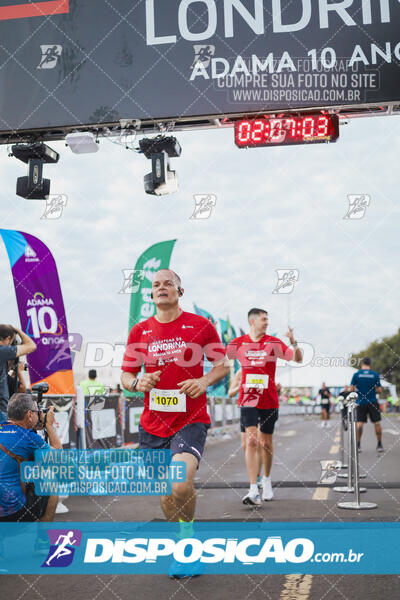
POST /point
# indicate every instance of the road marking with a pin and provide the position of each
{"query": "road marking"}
(334, 449)
(321, 493)
(337, 439)
(391, 431)
(289, 433)
(296, 586)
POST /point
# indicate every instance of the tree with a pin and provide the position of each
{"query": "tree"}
(385, 358)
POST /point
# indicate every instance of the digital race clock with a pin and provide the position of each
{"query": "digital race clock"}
(285, 131)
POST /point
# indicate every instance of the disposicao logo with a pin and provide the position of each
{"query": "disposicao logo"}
(62, 547)
(189, 550)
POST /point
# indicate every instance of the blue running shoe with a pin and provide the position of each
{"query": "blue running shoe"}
(183, 570)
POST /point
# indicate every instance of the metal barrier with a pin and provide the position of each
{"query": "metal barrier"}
(353, 474)
(223, 411)
(342, 430)
(303, 409)
(64, 407)
(343, 427)
(102, 426)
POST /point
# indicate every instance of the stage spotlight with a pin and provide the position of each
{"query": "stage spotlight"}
(161, 180)
(160, 143)
(34, 187)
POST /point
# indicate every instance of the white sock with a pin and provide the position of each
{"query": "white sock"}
(266, 479)
(253, 489)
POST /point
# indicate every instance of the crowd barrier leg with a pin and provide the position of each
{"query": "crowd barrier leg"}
(342, 436)
(80, 417)
(349, 488)
(122, 410)
(212, 411)
(223, 412)
(343, 465)
(354, 462)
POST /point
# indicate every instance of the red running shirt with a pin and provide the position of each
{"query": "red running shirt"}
(258, 362)
(177, 349)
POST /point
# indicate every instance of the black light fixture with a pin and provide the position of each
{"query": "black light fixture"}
(33, 186)
(161, 180)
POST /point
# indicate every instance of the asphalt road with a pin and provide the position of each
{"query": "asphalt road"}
(300, 443)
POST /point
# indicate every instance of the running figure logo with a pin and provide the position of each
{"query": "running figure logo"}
(62, 547)
(132, 281)
(50, 55)
(204, 203)
(202, 54)
(68, 349)
(130, 123)
(286, 280)
(55, 203)
(357, 206)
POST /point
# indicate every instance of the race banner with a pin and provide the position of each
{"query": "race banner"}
(138, 283)
(228, 332)
(217, 388)
(154, 258)
(203, 313)
(41, 310)
(221, 388)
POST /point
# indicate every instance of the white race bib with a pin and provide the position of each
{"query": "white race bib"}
(167, 400)
(256, 380)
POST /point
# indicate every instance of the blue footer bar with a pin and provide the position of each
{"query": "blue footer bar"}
(214, 548)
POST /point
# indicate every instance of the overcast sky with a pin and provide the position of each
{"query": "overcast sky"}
(278, 208)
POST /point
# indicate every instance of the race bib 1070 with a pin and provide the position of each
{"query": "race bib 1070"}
(167, 400)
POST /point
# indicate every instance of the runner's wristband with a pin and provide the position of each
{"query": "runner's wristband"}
(134, 384)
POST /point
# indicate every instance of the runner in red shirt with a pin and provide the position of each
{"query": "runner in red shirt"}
(257, 353)
(171, 346)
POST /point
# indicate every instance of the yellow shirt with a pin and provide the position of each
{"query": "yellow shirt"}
(92, 387)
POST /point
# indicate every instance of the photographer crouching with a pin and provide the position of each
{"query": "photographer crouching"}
(18, 442)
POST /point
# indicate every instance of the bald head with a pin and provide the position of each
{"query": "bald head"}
(166, 288)
(169, 273)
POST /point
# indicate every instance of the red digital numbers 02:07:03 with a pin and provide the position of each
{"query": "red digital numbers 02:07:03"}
(284, 131)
